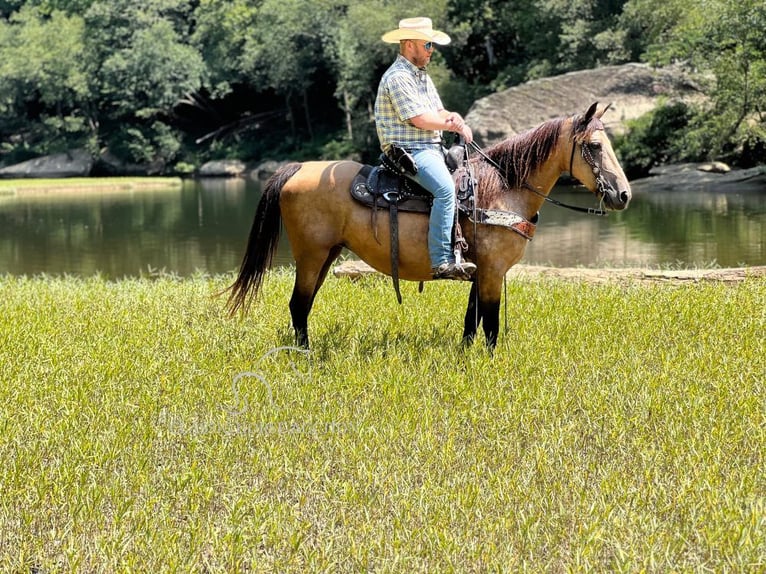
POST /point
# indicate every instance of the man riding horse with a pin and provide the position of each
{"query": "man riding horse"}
(410, 117)
(315, 201)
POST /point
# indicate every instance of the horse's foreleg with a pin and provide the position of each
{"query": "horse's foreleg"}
(309, 276)
(490, 313)
(484, 308)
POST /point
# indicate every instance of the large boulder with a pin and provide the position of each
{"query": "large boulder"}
(701, 177)
(632, 89)
(265, 169)
(74, 163)
(109, 165)
(223, 168)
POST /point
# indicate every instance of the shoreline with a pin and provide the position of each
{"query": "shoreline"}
(355, 269)
(18, 187)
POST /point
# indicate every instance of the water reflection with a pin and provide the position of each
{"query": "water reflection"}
(203, 226)
(200, 226)
(686, 228)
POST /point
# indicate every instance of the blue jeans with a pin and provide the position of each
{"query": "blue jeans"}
(434, 176)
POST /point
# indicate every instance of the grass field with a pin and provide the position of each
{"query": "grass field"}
(618, 427)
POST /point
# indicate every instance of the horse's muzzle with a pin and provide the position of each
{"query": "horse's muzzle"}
(614, 199)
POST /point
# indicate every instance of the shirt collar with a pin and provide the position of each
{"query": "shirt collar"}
(419, 73)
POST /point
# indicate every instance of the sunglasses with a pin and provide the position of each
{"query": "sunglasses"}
(428, 46)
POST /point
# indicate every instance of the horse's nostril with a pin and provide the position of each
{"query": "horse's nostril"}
(624, 197)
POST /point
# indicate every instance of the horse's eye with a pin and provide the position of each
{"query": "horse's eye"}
(594, 145)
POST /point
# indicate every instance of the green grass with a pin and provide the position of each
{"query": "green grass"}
(14, 186)
(618, 427)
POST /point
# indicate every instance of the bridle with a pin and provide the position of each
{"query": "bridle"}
(586, 151)
(587, 148)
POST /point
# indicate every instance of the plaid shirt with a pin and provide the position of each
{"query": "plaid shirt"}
(405, 91)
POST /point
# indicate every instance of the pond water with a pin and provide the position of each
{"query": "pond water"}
(203, 227)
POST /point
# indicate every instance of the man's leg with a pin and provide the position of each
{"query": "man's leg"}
(435, 177)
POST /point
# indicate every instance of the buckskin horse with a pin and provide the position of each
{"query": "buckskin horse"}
(512, 180)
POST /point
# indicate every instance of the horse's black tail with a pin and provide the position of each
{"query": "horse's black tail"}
(263, 241)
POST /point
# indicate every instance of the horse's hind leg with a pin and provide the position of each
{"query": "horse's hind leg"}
(311, 271)
(472, 317)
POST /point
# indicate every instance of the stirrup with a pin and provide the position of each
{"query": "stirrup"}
(458, 271)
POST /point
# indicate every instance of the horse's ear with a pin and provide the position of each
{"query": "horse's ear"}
(581, 122)
(590, 113)
(600, 113)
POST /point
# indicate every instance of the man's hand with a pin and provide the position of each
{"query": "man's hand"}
(457, 124)
(438, 120)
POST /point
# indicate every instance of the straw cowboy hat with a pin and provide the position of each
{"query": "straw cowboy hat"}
(416, 29)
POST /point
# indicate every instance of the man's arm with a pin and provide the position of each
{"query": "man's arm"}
(443, 120)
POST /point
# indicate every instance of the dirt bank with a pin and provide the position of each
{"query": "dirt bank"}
(356, 269)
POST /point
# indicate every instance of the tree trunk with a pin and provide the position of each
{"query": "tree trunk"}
(490, 49)
(291, 117)
(347, 109)
(308, 115)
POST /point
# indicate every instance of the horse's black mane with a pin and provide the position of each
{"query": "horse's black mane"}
(522, 154)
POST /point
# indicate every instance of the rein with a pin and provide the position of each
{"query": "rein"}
(587, 210)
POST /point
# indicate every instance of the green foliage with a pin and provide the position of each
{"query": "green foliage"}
(256, 77)
(44, 86)
(724, 45)
(42, 58)
(184, 168)
(654, 139)
(586, 38)
(142, 66)
(505, 43)
(340, 148)
(222, 30)
(496, 41)
(50, 6)
(155, 142)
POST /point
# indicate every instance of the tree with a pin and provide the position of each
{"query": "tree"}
(505, 43)
(587, 37)
(44, 93)
(498, 42)
(141, 66)
(223, 27)
(723, 43)
(143, 78)
(737, 115)
(292, 62)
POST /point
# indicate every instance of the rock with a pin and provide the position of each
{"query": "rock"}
(714, 167)
(109, 165)
(632, 89)
(266, 169)
(223, 168)
(686, 176)
(74, 163)
(353, 269)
